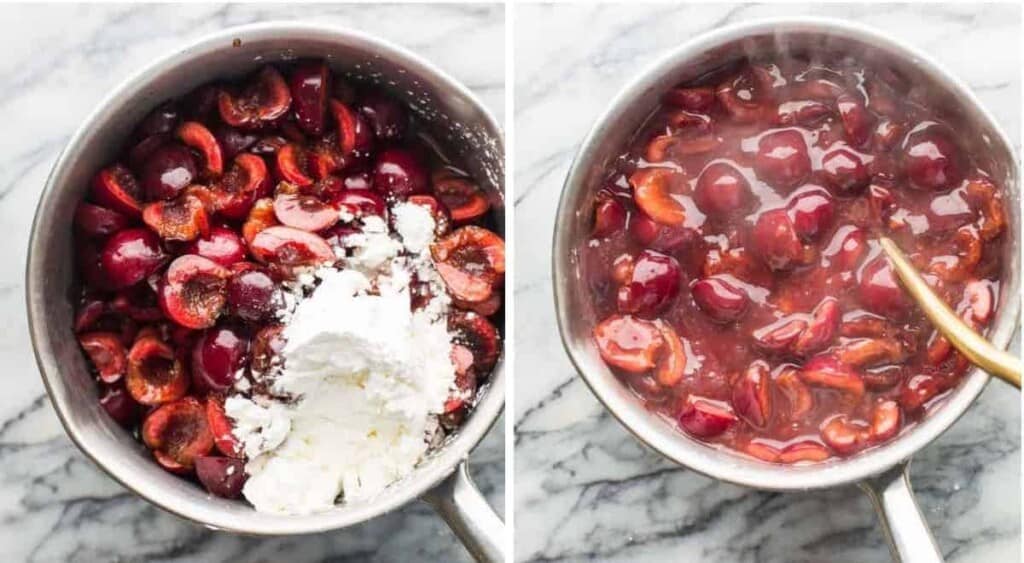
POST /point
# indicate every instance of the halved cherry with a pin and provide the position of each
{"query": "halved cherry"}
(844, 436)
(653, 283)
(652, 192)
(400, 172)
(806, 450)
(222, 476)
(193, 291)
(471, 261)
(722, 190)
(720, 298)
(348, 124)
(293, 164)
(801, 112)
(304, 212)
(261, 217)
(266, 347)
(988, 200)
(609, 218)
(705, 418)
(156, 375)
(846, 248)
(465, 379)
(479, 336)
(222, 428)
(131, 256)
(827, 371)
(243, 183)
(628, 343)
(811, 210)
(780, 335)
(442, 220)
(222, 245)
(197, 136)
(858, 122)
(88, 313)
(978, 301)
(821, 330)
(782, 159)
(116, 188)
(917, 391)
(233, 141)
(463, 198)
(752, 395)
(880, 291)
(775, 239)
(867, 352)
(932, 159)
(183, 219)
(672, 364)
(663, 147)
(692, 99)
(120, 405)
(178, 433)
(265, 99)
(746, 95)
(287, 246)
(356, 204)
(310, 84)
(487, 307)
(138, 303)
(886, 419)
(657, 236)
(217, 357)
(845, 171)
(799, 396)
(106, 353)
(96, 221)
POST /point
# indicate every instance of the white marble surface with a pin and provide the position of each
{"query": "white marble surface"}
(58, 62)
(585, 489)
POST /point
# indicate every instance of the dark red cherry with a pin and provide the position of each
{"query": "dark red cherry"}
(721, 190)
(721, 298)
(844, 171)
(386, 117)
(775, 239)
(168, 170)
(252, 295)
(782, 159)
(130, 256)
(216, 358)
(811, 212)
(880, 291)
(654, 283)
(222, 245)
(401, 173)
(932, 160)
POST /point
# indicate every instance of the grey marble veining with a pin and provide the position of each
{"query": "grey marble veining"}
(585, 489)
(58, 62)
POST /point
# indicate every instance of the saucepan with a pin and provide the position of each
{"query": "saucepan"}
(454, 116)
(882, 472)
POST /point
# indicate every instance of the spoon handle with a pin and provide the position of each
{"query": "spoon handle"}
(971, 344)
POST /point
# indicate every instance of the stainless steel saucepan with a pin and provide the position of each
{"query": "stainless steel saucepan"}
(881, 472)
(455, 117)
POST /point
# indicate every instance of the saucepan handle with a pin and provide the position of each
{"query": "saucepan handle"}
(467, 513)
(910, 539)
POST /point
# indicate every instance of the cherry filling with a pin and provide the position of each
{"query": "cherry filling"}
(185, 241)
(734, 269)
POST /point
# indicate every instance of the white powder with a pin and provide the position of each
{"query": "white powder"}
(369, 377)
(415, 225)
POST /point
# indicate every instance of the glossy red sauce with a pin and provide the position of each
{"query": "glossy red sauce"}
(734, 268)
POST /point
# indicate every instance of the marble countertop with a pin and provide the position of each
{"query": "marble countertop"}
(585, 489)
(59, 61)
